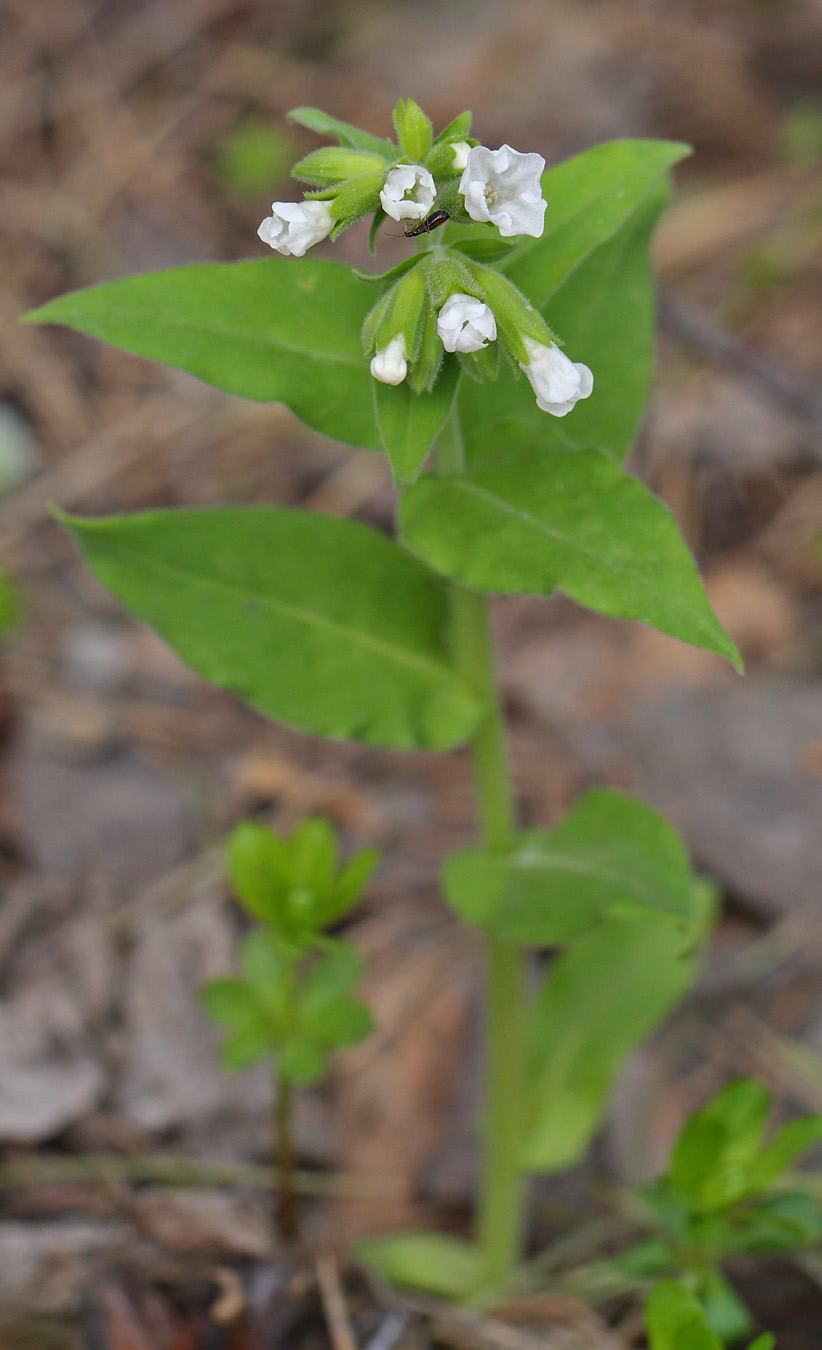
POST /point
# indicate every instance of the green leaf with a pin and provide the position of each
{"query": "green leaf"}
(725, 1312)
(245, 1048)
(778, 1223)
(301, 1062)
(321, 623)
(611, 857)
(230, 1003)
(414, 131)
(457, 129)
(259, 871)
(589, 198)
(787, 1145)
(569, 520)
(268, 973)
(716, 1148)
(279, 330)
(352, 881)
(317, 120)
(409, 423)
(600, 1000)
(675, 1321)
(433, 1262)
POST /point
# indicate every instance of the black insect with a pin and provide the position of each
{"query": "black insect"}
(430, 223)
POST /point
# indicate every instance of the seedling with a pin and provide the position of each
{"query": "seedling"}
(676, 1321)
(505, 485)
(292, 1000)
(724, 1193)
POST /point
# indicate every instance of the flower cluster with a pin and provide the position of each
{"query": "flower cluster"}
(446, 301)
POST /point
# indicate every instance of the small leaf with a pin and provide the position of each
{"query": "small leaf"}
(268, 973)
(279, 330)
(716, 1149)
(414, 131)
(569, 520)
(317, 120)
(352, 881)
(432, 1262)
(612, 856)
(231, 1004)
(787, 1145)
(601, 998)
(322, 623)
(302, 1062)
(675, 1320)
(409, 423)
(456, 130)
(259, 871)
(245, 1048)
(485, 249)
(725, 1312)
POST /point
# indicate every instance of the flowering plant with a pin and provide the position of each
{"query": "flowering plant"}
(334, 628)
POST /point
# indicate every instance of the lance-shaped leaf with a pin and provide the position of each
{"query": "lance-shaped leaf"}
(612, 856)
(279, 330)
(589, 198)
(321, 623)
(410, 423)
(602, 997)
(325, 125)
(605, 314)
(569, 520)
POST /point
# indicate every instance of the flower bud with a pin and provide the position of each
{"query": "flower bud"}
(295, 227)
(503, 187)
(460, 151)
(557, 381)
(466, 324)
(390, 366)
(408, 192)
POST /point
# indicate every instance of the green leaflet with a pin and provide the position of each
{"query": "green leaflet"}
(569, 520)
(611, 856)
(601, 999)
(279, 330)
(321, 623)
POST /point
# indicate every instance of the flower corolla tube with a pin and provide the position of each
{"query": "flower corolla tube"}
(557, 381)
(295, 227)
(390, 366)
(408, 192)
(465, 324)
(504, 187)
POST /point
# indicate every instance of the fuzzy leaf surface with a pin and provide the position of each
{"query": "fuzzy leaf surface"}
(278, 330)
(612, 856)
(569, 520)
(321, 623)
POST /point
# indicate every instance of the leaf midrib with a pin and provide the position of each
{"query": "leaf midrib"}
(400, 656)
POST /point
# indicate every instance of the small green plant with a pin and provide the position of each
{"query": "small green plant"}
(676, 1321)
(720, 1197)
(505, 485)
(293, 997)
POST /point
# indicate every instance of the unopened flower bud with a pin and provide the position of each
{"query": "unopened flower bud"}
(408, 192)
(503, 187)
(557, 381)
(460, 151)
(466, 324)
(295, 227)
(390, 366)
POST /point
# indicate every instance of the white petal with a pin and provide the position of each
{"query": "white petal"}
(390, 366)
(465, 324)
(408, 192)
(504, 187)
(295, 227)
(557, 382)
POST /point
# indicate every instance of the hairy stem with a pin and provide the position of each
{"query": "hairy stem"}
(502, 1196)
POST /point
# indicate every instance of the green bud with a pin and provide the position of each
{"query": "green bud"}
(445, 274)
(354, 198)
(516, 317)
(334, 164)
(406, 314)
(414, 131)
(423, 371)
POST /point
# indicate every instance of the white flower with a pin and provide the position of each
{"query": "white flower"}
(461, 151)
(390, 366)
(408, 193)
(296, 226)
(503, 187)
(466, 324)
(557, 382)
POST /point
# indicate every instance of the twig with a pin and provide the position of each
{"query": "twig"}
(333, 1300)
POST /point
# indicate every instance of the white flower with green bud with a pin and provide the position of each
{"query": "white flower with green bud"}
(295, 227)
(503, 187)
(558, 382)
(466, 324)
(408, 193)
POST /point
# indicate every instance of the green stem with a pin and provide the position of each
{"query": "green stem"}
(502, 1196)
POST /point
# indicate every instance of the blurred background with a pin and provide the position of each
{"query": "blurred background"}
(139, 134)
